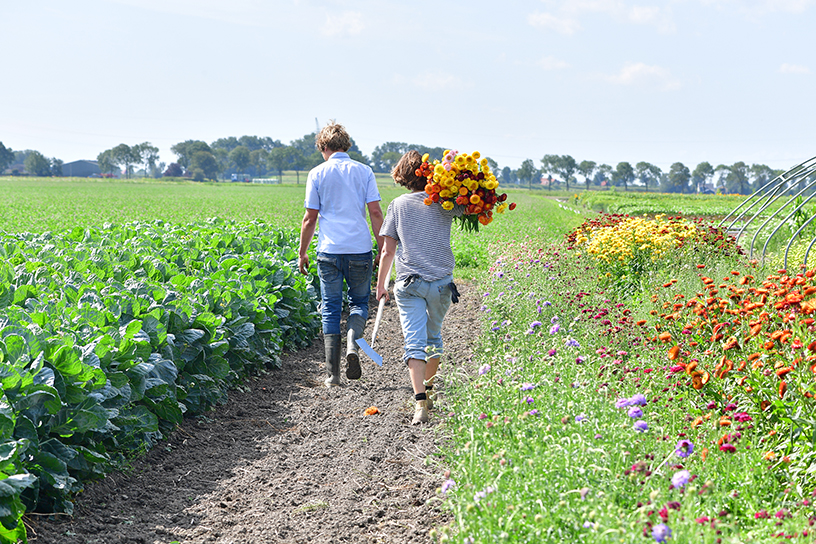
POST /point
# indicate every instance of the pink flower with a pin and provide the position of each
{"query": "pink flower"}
(728, 448)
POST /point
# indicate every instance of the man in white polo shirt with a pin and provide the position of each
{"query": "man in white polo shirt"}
(337, 195)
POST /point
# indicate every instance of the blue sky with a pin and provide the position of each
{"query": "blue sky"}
(604, 80)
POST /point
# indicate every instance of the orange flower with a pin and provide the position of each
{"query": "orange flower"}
(769, 455)
(674, 352)
(371, 410)
(664, 337)
(783, 386)
(704, 453)
(783, 371)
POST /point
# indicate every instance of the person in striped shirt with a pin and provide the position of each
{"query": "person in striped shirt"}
(417, 237)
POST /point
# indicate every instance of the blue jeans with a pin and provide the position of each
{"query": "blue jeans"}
(332, 270)
(422, 307)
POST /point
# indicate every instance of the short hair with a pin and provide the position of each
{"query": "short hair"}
(333, 137)
(404, 172)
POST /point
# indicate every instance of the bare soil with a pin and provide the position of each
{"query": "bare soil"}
(287, 460)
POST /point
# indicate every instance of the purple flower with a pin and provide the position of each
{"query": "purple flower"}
(641, 426)
(579, 418)
(447, 485)
(527, 386)
(554, 319)
(535, 324)
(635, 412)
(680, 478)
(622, 403)
(551, 352)
(638, 400)
(573, 343)
(529, 400)
(555, 328)
(533, 412)
(580, 359)
(484, 369)
(684, 448)
(661, 532)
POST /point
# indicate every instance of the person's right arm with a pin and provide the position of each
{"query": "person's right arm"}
(307, 230)
(389, 250)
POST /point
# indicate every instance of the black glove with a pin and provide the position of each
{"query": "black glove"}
(454, 292)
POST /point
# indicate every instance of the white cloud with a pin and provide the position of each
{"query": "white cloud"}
(567, 21)
(644, 75)
(346, 24)
(754, 8)
(438, 81)
(551, 63)
(559, 24)
(793, 69)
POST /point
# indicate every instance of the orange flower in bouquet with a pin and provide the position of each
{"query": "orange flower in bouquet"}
(464, 180)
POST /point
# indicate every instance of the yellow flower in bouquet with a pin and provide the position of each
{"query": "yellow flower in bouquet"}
(463, 179)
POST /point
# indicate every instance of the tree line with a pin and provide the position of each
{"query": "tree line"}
(257, 156)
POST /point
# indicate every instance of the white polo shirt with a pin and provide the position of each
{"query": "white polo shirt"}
(339, 189)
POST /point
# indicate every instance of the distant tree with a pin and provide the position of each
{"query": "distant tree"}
(203, 166)
(762, 174)
(277, 160)
(677, 180)
(240, 157)
(106, 163)
(701, 175)
(623, 174)
(286, 158)
(257, 159)
(508, 176)
(389, 159)
(563, 165)
(126, 156)
(587, 169)
(56, 167)
(6, 157)
(647, 173)
(36, 164)
(603, 174)
(387, 148)
(305, 144)
(148, 155)
(527, 172)
(174, 170)
(186, 149)
(736, 178)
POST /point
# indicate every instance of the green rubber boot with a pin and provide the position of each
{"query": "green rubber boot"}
(332, 343)
(356, 324)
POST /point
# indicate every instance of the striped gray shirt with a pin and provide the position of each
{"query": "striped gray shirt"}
(422, 233)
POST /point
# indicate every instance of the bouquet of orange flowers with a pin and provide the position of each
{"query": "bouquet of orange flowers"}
(465, 180)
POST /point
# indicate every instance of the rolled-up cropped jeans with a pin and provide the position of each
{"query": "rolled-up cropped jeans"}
(422, 308)
(333, 269)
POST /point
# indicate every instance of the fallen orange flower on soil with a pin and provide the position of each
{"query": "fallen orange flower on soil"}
(371, 410)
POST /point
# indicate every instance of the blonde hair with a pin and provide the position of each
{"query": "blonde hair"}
(333, 137)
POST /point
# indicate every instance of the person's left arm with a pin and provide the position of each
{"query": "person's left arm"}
(376, 216)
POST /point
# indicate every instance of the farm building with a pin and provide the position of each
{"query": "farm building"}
(81, 169)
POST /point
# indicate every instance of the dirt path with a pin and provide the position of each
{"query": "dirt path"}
(286, 460)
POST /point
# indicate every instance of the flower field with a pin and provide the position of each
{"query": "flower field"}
(636, 378)
(640, 380)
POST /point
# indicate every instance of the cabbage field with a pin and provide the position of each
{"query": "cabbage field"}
(110, 334)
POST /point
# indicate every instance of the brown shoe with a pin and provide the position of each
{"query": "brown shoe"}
(421, 413)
